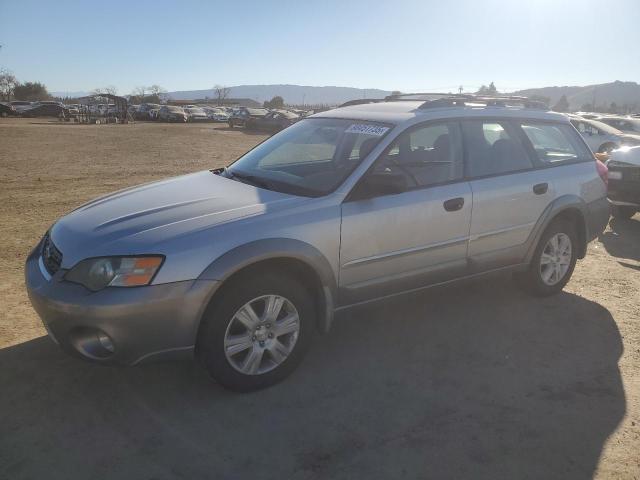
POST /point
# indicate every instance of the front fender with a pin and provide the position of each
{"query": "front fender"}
(279, 248)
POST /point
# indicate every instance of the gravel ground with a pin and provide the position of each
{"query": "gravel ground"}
(472, 381)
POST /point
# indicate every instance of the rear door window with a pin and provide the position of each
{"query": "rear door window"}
(493, 148)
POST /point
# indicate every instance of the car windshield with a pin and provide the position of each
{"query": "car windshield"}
(310, 158)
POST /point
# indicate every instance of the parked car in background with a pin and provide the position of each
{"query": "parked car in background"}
(602, 137)
(153, 113)
(46, 110)
(272, 122)
(196, 114)
(73, 109)
(624, 124)
(7, 110)
(21, 105)
(624, 182)
(143, 111)
(216, 114)
(170, 113)
(242, 266)
(240, 116)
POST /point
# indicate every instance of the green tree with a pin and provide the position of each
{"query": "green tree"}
(491, 90)
(31, 91)
(562, 105)
(613, 108)
(276, 102)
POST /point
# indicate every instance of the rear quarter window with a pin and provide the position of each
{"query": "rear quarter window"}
(555, 144)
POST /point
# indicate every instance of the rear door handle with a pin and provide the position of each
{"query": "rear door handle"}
(540, 188)
(454, 204)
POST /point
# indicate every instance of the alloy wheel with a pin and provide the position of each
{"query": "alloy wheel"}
(261, 335)
(555, 259)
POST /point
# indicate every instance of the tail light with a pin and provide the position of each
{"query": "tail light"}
(602, 171)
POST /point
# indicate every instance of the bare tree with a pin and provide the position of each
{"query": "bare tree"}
(8, 84)
(156, 90)
(140, 92)
(222, 93)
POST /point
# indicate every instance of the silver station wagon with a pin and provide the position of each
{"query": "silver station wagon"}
(242, 266)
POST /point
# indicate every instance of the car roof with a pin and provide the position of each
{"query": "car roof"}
(399, 112)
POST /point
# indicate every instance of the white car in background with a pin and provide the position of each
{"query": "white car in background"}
(624, 124)
(196, 114)
(601, 137)
(216, 114)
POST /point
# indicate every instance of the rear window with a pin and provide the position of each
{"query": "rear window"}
(554, 144)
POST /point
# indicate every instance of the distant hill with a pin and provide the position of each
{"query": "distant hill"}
(623, 94)
(292, 94)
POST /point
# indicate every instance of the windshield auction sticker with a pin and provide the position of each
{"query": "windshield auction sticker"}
(365, 129)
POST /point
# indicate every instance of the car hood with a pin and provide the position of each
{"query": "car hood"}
(628, 155)
(635, 139)
(138, 220)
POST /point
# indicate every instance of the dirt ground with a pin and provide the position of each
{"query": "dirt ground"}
(472, 381)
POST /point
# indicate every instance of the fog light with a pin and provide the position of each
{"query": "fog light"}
(106, 342)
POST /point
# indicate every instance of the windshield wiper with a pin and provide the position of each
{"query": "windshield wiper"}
(251, 179)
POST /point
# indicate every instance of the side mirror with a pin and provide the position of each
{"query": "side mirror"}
(379, 184)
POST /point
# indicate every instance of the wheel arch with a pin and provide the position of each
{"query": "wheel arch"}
(294, 257)
(570, 208)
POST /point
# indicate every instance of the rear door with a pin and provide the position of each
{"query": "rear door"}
(396, 242)
(509, 193)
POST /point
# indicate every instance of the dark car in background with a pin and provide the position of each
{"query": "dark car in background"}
(7, 110)
(170, 113)
(624, 182)
(143, 111)
(46, 110)
(240, 116)
(272, 122)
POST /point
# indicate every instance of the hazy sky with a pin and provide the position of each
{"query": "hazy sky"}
(403, 45)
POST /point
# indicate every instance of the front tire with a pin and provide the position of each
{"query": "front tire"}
(553, 261)
(256, 331)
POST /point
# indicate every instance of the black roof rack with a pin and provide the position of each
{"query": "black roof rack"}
(438, 100)
(361, 101)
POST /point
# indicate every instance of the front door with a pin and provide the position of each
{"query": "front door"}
(397, 242)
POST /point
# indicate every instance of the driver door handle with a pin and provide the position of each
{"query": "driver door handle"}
(453, 204)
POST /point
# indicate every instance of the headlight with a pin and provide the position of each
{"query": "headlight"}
(98, 273)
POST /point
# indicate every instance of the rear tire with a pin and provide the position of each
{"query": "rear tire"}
(622, 212)
(553, 260)
(233, 335)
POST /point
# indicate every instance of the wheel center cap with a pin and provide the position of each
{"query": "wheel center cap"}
(261, 334)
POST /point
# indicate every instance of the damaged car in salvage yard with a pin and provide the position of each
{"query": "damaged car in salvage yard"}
(624, 182)
(242, 266)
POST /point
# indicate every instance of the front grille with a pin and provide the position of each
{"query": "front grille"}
(51, 256)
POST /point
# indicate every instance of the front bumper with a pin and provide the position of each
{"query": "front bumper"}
(625, 190)
(143, 323)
